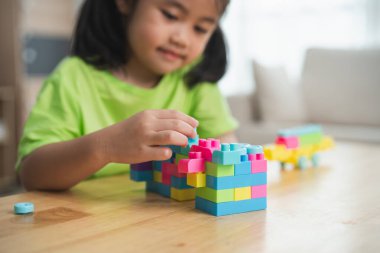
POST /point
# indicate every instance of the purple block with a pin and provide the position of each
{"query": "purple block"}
(142, 166)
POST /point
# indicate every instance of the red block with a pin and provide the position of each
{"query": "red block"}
(290, 142)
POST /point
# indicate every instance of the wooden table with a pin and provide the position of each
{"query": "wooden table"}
(335, 208)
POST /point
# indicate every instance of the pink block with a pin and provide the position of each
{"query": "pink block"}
(258, 166)
(289, 142)
(206, 152)
(191, 165)
(173, 169)
(252, 157)
(259, 191)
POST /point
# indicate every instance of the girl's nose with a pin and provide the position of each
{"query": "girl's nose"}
(180, 38)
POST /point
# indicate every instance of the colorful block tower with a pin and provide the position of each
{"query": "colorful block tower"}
(222, 178)
(296, 146)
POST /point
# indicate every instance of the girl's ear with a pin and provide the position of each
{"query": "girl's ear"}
(123, 6)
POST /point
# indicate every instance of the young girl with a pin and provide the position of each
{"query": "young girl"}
(138, 69)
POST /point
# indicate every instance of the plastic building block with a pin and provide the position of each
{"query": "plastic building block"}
(163, 189)
(290, 141)
(180, 182)
(142, 166)
(23, 208)
(220, 177)
(242, 168)
(301, 130)
(242, 193)
(141, 175)
(194, 164)
(229, 154)
(157, 165)
(254, 149)
(258, 166)
(219, 170)
(232, 207)
(310, 141)
(259, 191)
(182, 194)
(173, 169)
(216, 196)
(166, 175)
(157, 176)
(179, 157)
(196, 179)
(221, 183)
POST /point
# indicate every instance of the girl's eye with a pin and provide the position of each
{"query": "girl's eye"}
(200, 29)
(168, 15)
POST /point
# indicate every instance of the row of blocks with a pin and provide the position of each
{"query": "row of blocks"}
(298, 145)
(222, 178)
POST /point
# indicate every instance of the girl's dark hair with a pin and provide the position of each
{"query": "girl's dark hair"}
(100, 40)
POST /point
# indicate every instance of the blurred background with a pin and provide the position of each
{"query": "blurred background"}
(290, 63)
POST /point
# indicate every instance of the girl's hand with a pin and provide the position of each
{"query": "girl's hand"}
(141, 138)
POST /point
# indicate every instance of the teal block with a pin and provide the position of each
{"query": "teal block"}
(179, 182)
(226, 157)
(164, 190)
(297, 131)
(221, 183)
(157, 165)
(255, 149)
(141, 175)
(151, 186)
(175, 149)
(233, 207)
(23, 208)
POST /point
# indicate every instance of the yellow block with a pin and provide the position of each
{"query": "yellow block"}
(157, 176)
(196, 179)
(182, 194)
(242, 193)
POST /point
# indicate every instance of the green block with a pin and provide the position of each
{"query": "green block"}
(310, 139)
(179, 157)
(219, 170)
(216, 196)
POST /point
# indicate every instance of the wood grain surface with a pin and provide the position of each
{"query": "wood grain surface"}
(334, 208)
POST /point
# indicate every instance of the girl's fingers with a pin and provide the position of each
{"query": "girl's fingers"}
(175, 125)
(173, 114)
(168, 137)
(159, 153)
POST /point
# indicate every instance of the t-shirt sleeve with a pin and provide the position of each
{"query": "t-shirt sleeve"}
(54, 117)
(211, 110)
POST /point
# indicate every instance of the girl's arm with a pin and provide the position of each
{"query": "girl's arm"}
(59, 166)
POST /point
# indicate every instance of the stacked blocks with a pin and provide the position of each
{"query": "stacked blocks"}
(296, 146)
(222, 178)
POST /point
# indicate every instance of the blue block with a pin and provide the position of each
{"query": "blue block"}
(175, 149)
(297, 131)
(226, 157)
(179, 183)
(23, 208)
(157, 165)
(164, 190)
(226, 208)
(141, 175)
(230, 182)
(242, 168)
(255, 149)
(151, 186)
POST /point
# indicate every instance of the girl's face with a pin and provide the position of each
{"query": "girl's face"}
(165, 35)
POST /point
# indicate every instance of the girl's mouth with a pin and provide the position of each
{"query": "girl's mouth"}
(169, 54)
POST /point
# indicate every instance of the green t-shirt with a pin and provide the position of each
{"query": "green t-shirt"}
(78, 99)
